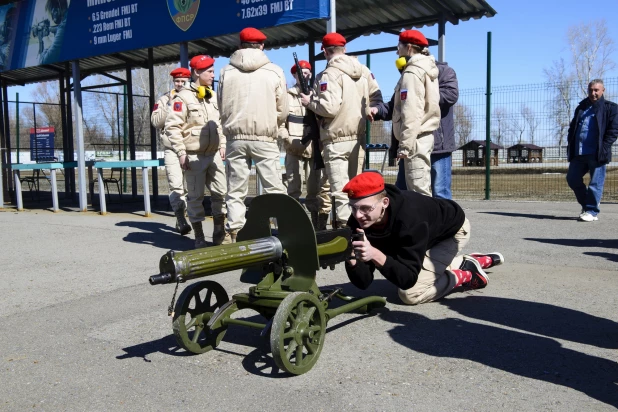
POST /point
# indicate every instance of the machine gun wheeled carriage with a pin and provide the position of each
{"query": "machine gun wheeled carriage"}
(279, 246)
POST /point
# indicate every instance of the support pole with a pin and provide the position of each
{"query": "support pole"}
(153, 131)
(79, 134)
(124, 137)
(184, 54)
(2, 159)
(331, 24)
(7, 133)
(17, 125)
(70, 139)
(312, 60)
(442, 39)
(488, 122)
(131, 129)
(367, 125)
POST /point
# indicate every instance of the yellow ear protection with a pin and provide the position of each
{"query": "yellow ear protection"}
(401, 63)
(204, 91)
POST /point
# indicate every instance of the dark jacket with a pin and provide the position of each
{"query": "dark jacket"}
(607, 119)
(415, 224)
(444, 135)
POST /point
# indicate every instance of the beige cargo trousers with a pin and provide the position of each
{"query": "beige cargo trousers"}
(239, 155)
(433, 281)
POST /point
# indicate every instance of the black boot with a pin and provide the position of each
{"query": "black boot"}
(200, 241)
(182, 226)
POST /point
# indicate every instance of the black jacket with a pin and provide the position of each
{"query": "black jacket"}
(444, 135)
(416, 223)
(607, 119)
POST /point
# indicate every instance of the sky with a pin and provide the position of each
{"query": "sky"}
(527, 36)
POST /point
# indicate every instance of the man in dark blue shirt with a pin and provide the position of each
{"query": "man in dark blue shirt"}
(592, 132)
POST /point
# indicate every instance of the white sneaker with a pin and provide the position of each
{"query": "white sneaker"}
(583, 212)
(587, 217)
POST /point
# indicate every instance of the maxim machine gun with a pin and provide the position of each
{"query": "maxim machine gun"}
(279, 246)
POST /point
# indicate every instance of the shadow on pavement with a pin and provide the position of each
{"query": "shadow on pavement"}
(530, 216)
(612, 257)
(540, 318)
(157, 235)
(514, 352)
(587, 243)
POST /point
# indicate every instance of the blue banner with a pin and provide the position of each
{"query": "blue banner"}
(42, 144)
(37, 32)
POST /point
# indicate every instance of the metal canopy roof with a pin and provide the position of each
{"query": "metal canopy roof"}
(355, 18)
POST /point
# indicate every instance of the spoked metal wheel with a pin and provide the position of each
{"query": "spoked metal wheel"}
(298, 332)
(194, 308)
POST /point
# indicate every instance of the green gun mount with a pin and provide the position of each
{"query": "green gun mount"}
(280, 250)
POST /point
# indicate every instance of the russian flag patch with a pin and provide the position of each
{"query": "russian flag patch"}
(178, 106)
(404, 94)
(323, 86)
(156, 106)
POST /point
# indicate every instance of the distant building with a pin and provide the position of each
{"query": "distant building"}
(474, 153)
(525, 153)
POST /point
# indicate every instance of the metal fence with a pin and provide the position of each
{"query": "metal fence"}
(531, 114)
(529, 123)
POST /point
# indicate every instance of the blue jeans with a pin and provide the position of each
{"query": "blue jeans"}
(440, 176)
(588, 197)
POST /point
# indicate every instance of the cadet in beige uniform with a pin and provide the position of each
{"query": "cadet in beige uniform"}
(299, 157)
(254, 105)
(341, 99)
(194, 130)
(416, 110)
(175, 175)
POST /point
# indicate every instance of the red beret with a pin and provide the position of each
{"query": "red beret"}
(364, 185)
(333, 39)
(251, 35)
(201, 62)
(304, 64)
(413, 37)
(181, 73)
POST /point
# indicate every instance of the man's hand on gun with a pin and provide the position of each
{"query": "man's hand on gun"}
(305, 99)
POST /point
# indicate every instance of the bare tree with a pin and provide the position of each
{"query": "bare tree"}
(560, 82)
(49, 97)
(517, 127)
(530, 120)
(500, 125)
(591, 50)
(464, 123)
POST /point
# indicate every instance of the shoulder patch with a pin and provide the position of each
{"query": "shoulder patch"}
(156, 106)
(323, 86)
(404, 94)
(178, 106)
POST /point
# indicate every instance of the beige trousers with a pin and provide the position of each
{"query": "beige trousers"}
(342, 163)
(239, 155)
(205, 171)
(418, 165)
(175, 180)
(297, 169)
(433, 280)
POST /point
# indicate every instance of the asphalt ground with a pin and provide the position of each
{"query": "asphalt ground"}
(82, 329)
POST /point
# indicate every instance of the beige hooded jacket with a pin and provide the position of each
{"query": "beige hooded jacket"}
(416, 109)
(252, 97)
(296, 127)
(192, 124)
(341, 98)
(158, 116)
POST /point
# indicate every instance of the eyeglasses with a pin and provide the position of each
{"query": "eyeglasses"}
(364, 209)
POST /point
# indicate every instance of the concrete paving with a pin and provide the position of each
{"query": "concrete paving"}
(81, 328)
